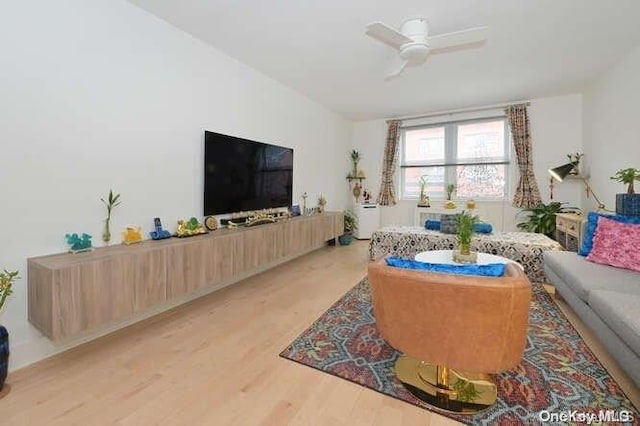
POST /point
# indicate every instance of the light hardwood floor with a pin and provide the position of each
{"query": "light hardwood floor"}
(215, 361)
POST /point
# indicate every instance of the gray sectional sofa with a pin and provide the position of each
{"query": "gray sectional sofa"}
(606, 299)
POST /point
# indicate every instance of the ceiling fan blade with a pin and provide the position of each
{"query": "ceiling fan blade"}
(398, 67)
(458, 38)
(386, 34)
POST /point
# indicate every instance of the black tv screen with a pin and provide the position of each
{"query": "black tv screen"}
(243, 175)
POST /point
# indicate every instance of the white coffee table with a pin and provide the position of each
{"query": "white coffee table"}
(446, 257)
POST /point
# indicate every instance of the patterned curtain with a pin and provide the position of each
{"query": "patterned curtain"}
(387, 194)
(527, 194)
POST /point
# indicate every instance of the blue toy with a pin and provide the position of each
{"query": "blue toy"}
(78, 243)
(159, 233)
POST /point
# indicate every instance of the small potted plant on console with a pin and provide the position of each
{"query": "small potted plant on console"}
(629, 203)
(350, 225)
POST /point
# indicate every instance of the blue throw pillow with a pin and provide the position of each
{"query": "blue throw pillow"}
(488, 270)
(432, 225)
(592, 224)
(483, 228)
(480, 228)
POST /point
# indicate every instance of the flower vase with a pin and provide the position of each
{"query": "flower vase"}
(465, 255)
(424, 199)
(106, 235)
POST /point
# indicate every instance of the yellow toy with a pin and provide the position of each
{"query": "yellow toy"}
(133, 234)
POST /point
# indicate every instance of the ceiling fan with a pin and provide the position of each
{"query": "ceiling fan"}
(414, 43)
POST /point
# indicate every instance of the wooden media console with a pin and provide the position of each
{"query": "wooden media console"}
(71, 294)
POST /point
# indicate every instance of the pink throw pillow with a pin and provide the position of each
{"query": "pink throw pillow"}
(616, 244)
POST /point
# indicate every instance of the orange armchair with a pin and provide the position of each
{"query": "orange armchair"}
(449, 325)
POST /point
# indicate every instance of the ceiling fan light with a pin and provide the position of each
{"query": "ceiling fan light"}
(417, 27)
(415, 45)
(414, 51)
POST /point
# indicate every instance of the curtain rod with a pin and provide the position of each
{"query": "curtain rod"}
(456, 111)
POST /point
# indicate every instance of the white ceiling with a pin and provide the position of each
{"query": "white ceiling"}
(536, 48)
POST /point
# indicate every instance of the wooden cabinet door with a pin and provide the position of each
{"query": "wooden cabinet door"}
(322, 229)
(338, 223)
(91, 294)
(262, 245)
(148, 275)
(187, 266)
(297, 236)
(224, 261)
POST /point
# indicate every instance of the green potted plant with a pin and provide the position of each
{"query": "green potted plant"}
(465, 224)
(350, 225)
(450, 189)
(424, 199)
(112, 201)
(542, 218)
(7, 280)
(628, 203)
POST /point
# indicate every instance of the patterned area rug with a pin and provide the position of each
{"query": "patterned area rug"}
(559, 373)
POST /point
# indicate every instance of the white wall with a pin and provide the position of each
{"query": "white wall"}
(556, 127)
(98, 95)
(610, 117)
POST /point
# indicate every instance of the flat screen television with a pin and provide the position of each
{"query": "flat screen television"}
(243, 175)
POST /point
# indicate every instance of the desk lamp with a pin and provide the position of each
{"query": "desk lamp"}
(561, 172)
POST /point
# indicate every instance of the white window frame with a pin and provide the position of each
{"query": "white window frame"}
(450, 148)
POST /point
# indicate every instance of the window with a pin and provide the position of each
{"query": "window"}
(473, 155)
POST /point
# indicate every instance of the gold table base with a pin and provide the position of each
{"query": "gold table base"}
(447, 389)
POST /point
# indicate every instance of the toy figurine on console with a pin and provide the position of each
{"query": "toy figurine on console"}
(159, 233)
(295, 210)
(79, 243)
(132, 235)
(259, 218)
(190, 228)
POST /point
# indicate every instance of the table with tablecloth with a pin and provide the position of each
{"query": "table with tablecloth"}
(526, 248)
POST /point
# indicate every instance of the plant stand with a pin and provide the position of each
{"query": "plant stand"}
(628, 204)
(4, 361)
(345, 239)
